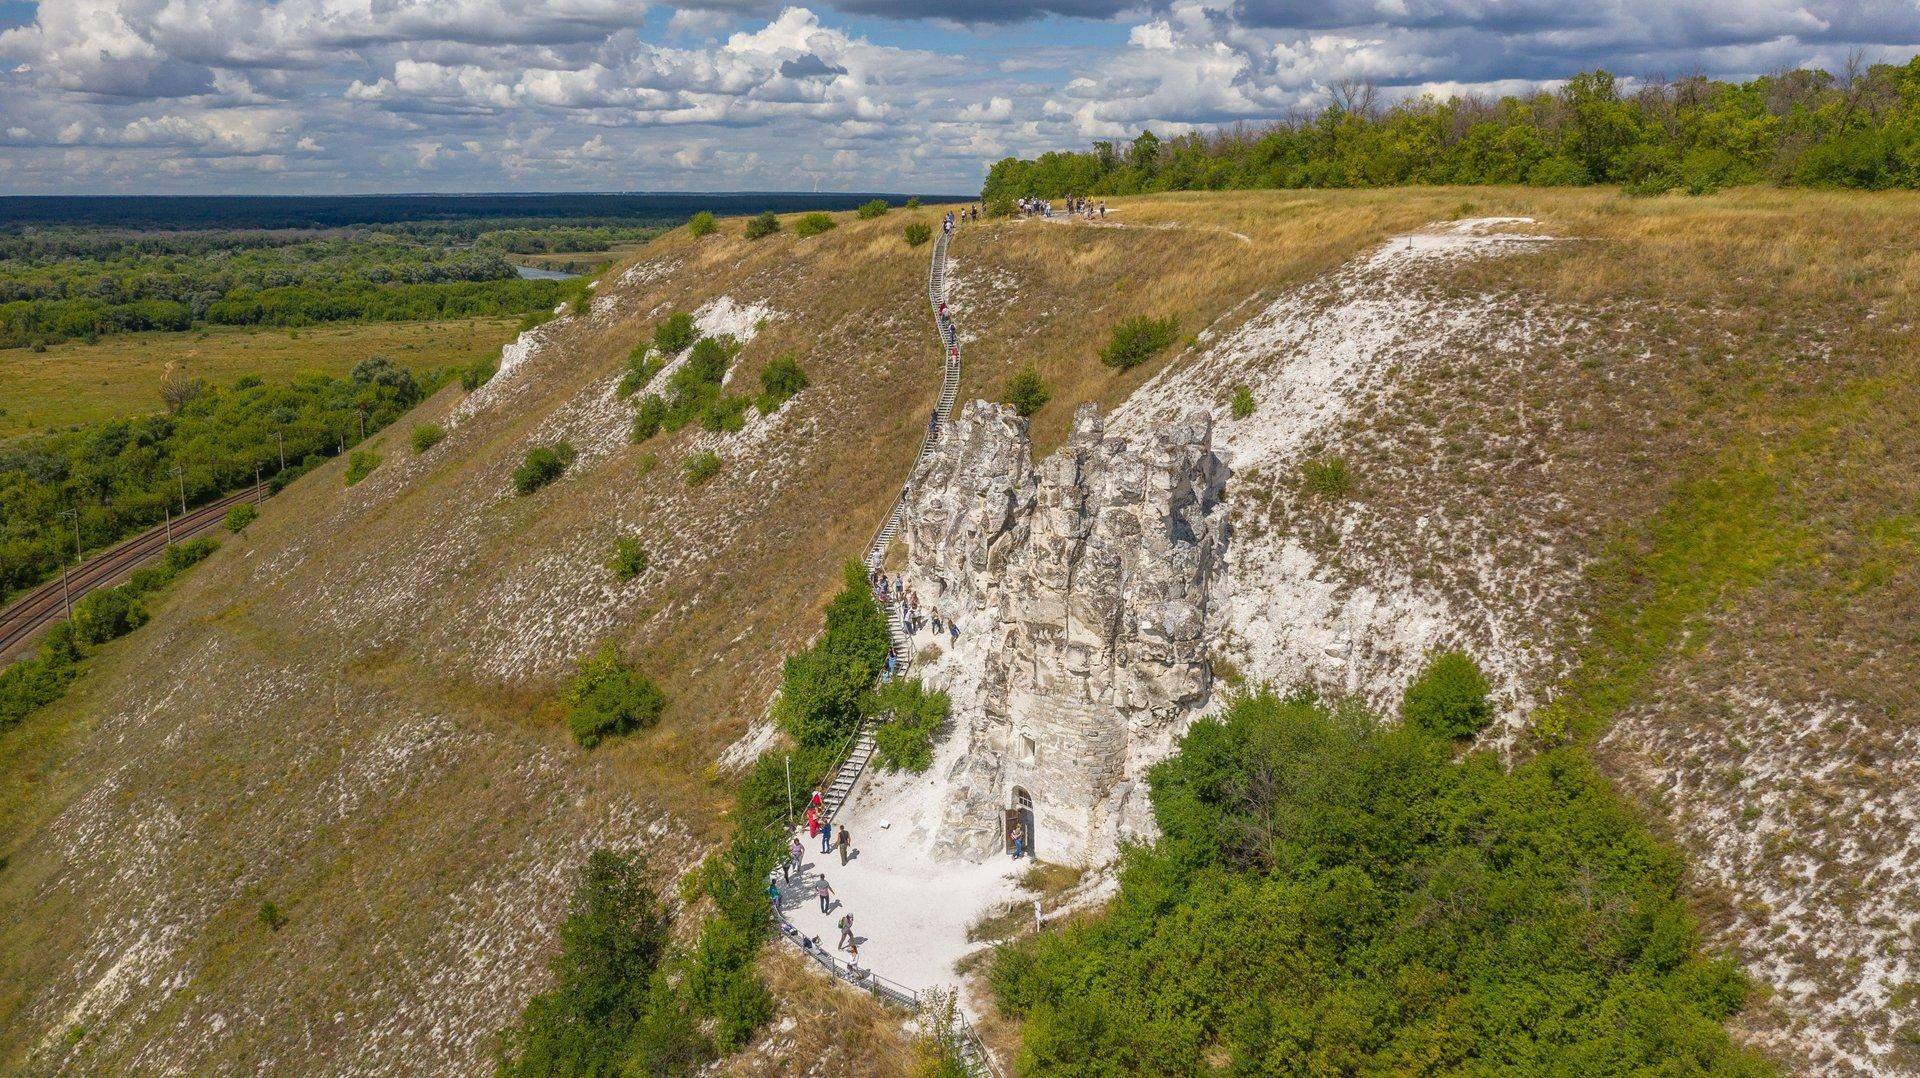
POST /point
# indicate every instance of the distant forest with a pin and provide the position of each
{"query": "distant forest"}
(335, 211)
(1860, 129)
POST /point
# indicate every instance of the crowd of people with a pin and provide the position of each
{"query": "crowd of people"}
(893, 591)
(1075, 206)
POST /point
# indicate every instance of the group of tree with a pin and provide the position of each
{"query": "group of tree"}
(122, 476)
(1800, 127)
(1334, 895)
(627, 996)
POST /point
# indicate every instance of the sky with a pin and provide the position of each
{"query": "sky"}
(363, 96)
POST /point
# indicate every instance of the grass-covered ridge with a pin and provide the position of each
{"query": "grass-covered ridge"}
(1333, 895)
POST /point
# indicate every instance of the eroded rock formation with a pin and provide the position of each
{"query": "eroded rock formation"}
(1091, 575)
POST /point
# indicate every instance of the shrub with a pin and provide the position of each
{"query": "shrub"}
(648, 417)
(1026, 391)
(271, 917)
(425, 436)
(676, 334)
(478, 373)
(629, 558)
(1138, 339)
(700, 467)
(641, 367)
(913, 203)
(904, 742)
(812, 224)
(360, 464)
(869, 210)
(725, 414)
(1000, 207)
(918, 233)
(1326, 477)
(822, 686)
(542, 465)
(780, 380)
(1448, 698)
(240, 516)
(762, 226)
(1242, 402)
(702, 224)
(607, 698)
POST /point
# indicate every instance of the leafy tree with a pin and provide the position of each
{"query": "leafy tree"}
(812, 224)
(608, 698)
(1026, 391)
(762, 226)
(701, 224)
(1449, 697)
(604, 978)
(913, 717)
(542, 465)
(1138, 339)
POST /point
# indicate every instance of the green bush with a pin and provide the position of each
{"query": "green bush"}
(1026, 391)
(1327, 888)
(360, 464)
(240, 516)
(913, 203)
(762, 226)
(821, 687)
(917, 233)
(904, 742)
(1326, 477)
(700, 467)
(725, 414)
(606, 981)
(869, 210)
(1138, 339)
(1000, 207)
(642, 365)
(648, 417)
(676, 334)
(1449, 697)
(629, 558)
(780, 380)
(1242, 402)
(607, 698)
(426, 435)
(542, 465)
(105, 614)
(812, 224)
(702, 224)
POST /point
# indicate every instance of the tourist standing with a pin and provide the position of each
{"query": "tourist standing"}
(826, 836)
(846, 930)
(844, 843)
(1019, 835)
(826, 895)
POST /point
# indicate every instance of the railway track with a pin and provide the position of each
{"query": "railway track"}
(23, 620)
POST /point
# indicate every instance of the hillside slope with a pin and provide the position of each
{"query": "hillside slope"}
(1652, 471)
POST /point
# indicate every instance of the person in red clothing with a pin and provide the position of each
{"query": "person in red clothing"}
(813, 823)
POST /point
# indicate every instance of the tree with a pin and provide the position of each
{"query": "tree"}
(604, 978)
(240, 516)
(763, 225)
(701, 224)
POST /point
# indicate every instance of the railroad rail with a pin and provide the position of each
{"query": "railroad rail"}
(23, 620)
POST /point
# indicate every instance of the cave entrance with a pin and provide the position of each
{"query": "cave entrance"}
(1020, 813)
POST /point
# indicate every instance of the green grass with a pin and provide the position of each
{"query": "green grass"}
(73, 382)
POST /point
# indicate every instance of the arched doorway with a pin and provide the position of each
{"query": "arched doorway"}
(1020, 812)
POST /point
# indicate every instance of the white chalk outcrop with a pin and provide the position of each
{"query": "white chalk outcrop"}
(1090, 577)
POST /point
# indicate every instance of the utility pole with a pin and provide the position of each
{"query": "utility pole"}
(363, 424)
(256, 482)
(66, 594)
(180, 476)
(168, 510)
(281, 434)
(789, 763)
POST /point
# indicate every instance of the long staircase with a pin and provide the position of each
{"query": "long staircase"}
(860, 751)
(860, 747)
